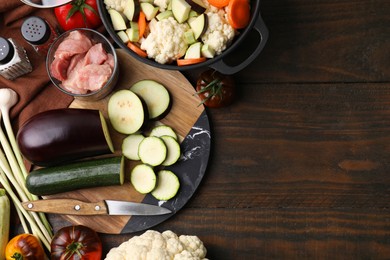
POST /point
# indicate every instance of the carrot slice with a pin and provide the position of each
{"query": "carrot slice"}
(137, 49)
(141, 24)
(219, 3)
(184, 62)
(239, 13)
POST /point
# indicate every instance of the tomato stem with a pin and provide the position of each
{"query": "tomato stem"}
(17, 256)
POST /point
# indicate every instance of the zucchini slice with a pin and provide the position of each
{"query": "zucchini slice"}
(79, 175)
(168, 185)
(173, 150)
(163, 130)
(130, 146)
(143, 178)
(152, 151)
(126, 112)
(156, 97)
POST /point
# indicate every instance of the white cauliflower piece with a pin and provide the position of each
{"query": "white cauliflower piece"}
(153, 245)
(219, 34)
(165, 42)
(118, 5)
(162, 4)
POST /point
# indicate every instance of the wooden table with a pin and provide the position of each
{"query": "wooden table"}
(300, 163)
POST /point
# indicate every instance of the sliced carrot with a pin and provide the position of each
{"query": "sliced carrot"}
(219, 3)
(141, 24)
(184, 62)
(137, 49)
(239, 13)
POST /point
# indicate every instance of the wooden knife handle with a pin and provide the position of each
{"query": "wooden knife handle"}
(66, 207)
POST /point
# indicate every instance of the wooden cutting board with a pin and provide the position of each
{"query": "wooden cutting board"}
(182, 117)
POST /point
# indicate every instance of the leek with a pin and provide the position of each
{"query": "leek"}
(5, 211)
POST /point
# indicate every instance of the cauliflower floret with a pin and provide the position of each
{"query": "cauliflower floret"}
(194, 245)
(118, 5)
(153, 245)
(165, 42)
(219, 33)
(162, 4)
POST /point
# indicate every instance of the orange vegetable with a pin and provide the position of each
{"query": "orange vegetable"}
(137, 49)
(219, 3)
(239, 13)
(24, 246)
(184, 62)
(141, 24)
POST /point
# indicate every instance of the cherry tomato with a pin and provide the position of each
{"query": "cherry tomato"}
(78, 14)
(76, 243)
(24, 246)
(215, 89)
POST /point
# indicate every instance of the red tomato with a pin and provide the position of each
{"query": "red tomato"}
(78, 14)
(215, 89)
(76, 243)
(24, 246)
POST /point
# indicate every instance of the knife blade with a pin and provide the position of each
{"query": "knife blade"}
(104, 207)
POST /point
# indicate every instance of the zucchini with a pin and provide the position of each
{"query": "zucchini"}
(163, 130)
(130, 146)
(5, 211)
(152, 151)
(173, 150)
(167, 186)
(78, 175)
(143, 178)
(63, 135)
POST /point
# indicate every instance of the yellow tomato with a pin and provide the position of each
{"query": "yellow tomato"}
(24, 246)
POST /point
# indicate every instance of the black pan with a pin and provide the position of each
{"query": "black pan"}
(217, 63)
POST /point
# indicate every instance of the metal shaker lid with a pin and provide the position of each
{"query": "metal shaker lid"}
(35, 30)
(7, 51)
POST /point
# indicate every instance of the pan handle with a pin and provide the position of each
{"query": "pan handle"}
(261, 28)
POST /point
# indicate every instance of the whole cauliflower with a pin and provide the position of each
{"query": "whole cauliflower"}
(165, 42)
(219, 33)
(153, 245)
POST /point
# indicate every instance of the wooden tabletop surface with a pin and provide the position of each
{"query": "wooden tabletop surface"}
(300, 163)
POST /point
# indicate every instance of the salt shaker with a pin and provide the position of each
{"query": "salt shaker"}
(13, 59)
(38, 33)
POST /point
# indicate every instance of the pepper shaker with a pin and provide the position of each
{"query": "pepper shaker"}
(38, 33)
(13, 59)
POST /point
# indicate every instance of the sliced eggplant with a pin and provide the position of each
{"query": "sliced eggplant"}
(62, 135)
(156, 97)
(197, 6)
(118, 23)
(132, 9)
(199, 25)
(181, 10)
(149, 10)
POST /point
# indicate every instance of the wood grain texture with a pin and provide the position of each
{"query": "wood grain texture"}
(300, 163)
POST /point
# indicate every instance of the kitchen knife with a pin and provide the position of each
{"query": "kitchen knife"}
(105, 207)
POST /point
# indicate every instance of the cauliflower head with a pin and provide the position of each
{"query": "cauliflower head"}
(153, 245)
(118, 5)
(165, 42)
(219, 34)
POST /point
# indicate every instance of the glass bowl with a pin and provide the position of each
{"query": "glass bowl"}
(95, 37)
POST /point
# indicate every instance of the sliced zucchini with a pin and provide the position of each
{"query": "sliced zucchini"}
(156, 97)
(126, 112)
(173, 150)
(162, 130)
(130, 146)
(168, 185)
(152, 151)
(143, 178)
(78, 175)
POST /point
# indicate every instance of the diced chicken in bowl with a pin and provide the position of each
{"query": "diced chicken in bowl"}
(82, 63)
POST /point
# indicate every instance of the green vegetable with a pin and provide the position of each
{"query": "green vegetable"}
(143, 178)
(78, 175)
(167, 185)
(5, 210)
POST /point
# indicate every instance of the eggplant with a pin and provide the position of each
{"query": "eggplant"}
(58, 136)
